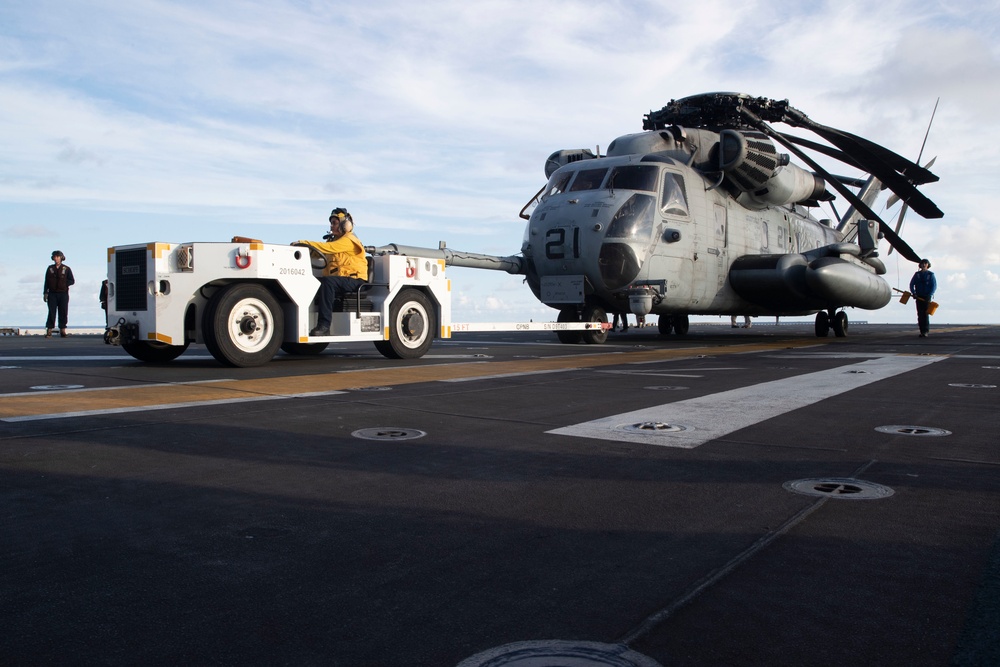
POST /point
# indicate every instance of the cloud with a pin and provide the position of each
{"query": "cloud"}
(28, 232)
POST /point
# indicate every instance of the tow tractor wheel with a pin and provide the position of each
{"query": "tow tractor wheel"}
(594, 314)
(411, 326)
(153, 351)
(570, 337)
(243, 325)
(840, 324)
(822, 324)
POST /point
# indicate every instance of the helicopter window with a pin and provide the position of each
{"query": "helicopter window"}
(633, 177)
(674, 200)
(634, 220)
(588, 179)
(557, 184)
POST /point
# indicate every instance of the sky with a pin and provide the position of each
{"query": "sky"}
(430, 121)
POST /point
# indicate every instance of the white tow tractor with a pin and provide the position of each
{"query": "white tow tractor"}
(245, 299)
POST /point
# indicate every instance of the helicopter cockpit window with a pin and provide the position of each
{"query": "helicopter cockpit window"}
(634, 220)
(557, 184)
(674, 200)
(633, 177)
(588, 179)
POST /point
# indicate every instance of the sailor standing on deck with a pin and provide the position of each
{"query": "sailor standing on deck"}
(923, 284)
(55, 292)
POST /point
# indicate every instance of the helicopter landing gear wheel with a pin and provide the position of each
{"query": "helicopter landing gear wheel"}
(840, 324)
(569, 337)
(598, 335)
(411, 326)
(681, 325)
(243, 325)
(822, 324)
(665, 324)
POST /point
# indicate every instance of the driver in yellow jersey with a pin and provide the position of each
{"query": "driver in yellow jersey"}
(346, 266)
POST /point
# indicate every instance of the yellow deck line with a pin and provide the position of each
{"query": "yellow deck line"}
(181, 394)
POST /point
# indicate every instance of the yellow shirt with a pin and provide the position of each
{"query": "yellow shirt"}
(345, 256)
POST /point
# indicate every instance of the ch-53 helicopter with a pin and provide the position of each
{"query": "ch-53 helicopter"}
(700, 214)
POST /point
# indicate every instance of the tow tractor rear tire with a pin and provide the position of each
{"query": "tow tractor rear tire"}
(594, 314)
(243, 325)
(412, 325)
(153, 351)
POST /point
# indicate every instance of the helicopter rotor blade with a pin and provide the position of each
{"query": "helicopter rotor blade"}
(887, 232)
(894, 198)
(893, 170)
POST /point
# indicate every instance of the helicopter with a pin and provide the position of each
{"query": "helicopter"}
(702, 213)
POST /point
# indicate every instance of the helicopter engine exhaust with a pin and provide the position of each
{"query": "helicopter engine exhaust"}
(766, 178)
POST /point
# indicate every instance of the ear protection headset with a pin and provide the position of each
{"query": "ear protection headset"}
(58, 253)
(346, 221)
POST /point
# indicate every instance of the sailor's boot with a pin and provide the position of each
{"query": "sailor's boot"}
(48, 333)
(62, 333)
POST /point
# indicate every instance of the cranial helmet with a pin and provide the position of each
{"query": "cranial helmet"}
(927, 262)
(344, 217)
(59, 254)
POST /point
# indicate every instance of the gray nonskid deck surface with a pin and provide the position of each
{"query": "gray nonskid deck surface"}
(503, 489)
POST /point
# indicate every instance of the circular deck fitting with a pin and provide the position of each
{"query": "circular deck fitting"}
(858, 372)
(562, 653)
(388, 433)
(843, 488)
(651, 427)
(665, 388)
(56, 387)
(369, 389)
(904, 429)
(973, 386)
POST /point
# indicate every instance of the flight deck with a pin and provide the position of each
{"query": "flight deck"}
(732, 496)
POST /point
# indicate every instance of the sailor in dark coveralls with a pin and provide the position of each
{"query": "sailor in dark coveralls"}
(55, 292)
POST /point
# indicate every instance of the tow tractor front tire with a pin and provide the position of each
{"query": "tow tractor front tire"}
(243, 325)
(153, 351)
(411, 326)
